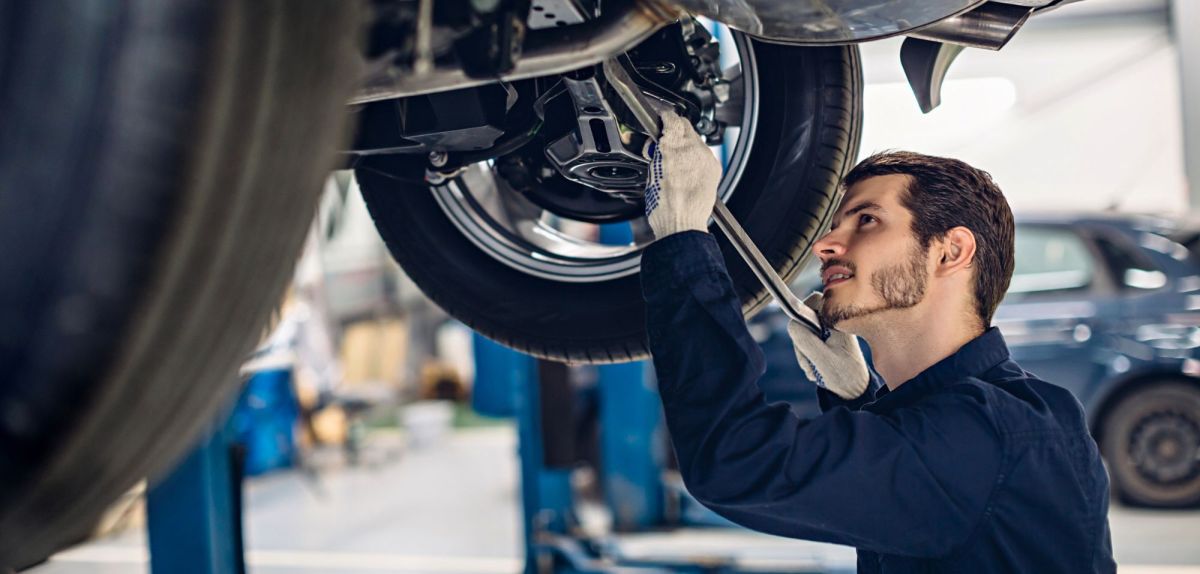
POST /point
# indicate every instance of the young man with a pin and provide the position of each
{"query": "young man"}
(950, 457)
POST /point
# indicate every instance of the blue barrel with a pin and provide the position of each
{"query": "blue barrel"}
(264, 421)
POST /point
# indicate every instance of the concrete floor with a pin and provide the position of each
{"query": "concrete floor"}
(454, 508)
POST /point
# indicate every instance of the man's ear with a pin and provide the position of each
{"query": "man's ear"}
(957, 249)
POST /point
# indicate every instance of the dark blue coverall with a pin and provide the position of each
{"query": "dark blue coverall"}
(973, 465)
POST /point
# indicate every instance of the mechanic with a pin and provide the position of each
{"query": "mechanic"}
(948, 457)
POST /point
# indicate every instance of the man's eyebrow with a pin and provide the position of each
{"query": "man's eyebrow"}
(860, 207)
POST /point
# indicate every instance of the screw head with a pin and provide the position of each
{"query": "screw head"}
(438, 158)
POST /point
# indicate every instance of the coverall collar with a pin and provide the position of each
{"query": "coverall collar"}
(973, 359)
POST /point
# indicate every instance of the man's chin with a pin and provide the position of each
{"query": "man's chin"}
(835, 316)
(848, 319)
(848, 325)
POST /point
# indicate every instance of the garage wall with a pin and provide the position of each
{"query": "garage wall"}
(1080, 111)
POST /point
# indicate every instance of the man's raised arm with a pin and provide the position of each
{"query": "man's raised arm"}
(846, 477)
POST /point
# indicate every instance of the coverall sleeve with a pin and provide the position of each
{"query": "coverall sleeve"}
(913, 483)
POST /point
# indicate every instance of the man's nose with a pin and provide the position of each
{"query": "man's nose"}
(829, 246)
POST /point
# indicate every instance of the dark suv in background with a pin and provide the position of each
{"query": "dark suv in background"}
(1107, 306)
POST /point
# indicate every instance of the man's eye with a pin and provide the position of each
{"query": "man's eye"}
(864, 219)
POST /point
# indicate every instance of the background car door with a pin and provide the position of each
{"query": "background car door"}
(1059, 300)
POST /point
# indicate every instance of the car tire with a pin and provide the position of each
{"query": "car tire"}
(807, 134)
(160, 162)
(1150, 441)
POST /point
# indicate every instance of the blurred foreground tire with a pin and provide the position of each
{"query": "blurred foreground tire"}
(1151, 441)
(160, 161)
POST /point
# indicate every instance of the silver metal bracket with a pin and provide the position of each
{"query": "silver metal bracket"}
(595, 153)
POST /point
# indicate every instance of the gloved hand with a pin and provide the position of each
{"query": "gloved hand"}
(684, 175)
(836, 364)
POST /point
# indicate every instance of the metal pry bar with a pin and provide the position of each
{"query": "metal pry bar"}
(792, 306)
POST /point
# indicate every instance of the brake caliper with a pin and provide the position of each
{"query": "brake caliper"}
(682, 65)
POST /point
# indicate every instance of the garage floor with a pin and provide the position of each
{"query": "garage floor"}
(453, 508)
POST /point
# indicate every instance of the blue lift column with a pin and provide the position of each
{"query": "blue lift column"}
(507, 384)
(193, 514)
(632, 445)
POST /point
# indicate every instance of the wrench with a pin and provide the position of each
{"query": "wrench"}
(792, 306)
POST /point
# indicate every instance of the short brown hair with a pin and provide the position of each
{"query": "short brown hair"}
(944, 193)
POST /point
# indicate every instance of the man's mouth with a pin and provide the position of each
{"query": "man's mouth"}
(837, 278)
(836, 274)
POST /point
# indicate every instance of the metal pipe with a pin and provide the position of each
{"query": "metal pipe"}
(546, 52)
(989, 26)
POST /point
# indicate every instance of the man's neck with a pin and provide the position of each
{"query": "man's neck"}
(911, 341)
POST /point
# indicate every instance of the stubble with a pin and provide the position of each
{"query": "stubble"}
(901, 286)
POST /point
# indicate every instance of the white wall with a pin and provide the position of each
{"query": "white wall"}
(1074, 114)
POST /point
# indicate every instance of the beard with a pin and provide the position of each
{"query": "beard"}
(901, 286)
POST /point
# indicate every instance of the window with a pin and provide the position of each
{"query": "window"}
(1130, 269)
(1050, 260)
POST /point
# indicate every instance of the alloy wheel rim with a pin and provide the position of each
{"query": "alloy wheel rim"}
(516, 232)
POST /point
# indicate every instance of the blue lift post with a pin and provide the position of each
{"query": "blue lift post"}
(193, 514)
(632, 445)
(509, 384)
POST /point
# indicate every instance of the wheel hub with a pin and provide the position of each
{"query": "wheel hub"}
(595, 154)
(615, 174)
(1166, 448)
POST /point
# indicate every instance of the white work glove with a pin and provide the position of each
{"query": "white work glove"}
(684, 174)
(835, 364)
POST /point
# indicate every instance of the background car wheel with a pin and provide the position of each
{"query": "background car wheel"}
(579, 300)
(1151, 441)
(159, 164)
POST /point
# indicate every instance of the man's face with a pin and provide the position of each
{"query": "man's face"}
(871, 261)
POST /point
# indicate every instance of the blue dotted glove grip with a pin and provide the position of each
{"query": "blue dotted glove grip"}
(654, 183)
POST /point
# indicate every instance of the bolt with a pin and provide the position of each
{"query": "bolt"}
(438, 158)
(687, 26)
(434, 177)
(720, 91)
(705, 126)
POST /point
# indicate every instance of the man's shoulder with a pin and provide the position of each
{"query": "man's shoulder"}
(1022, 402)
